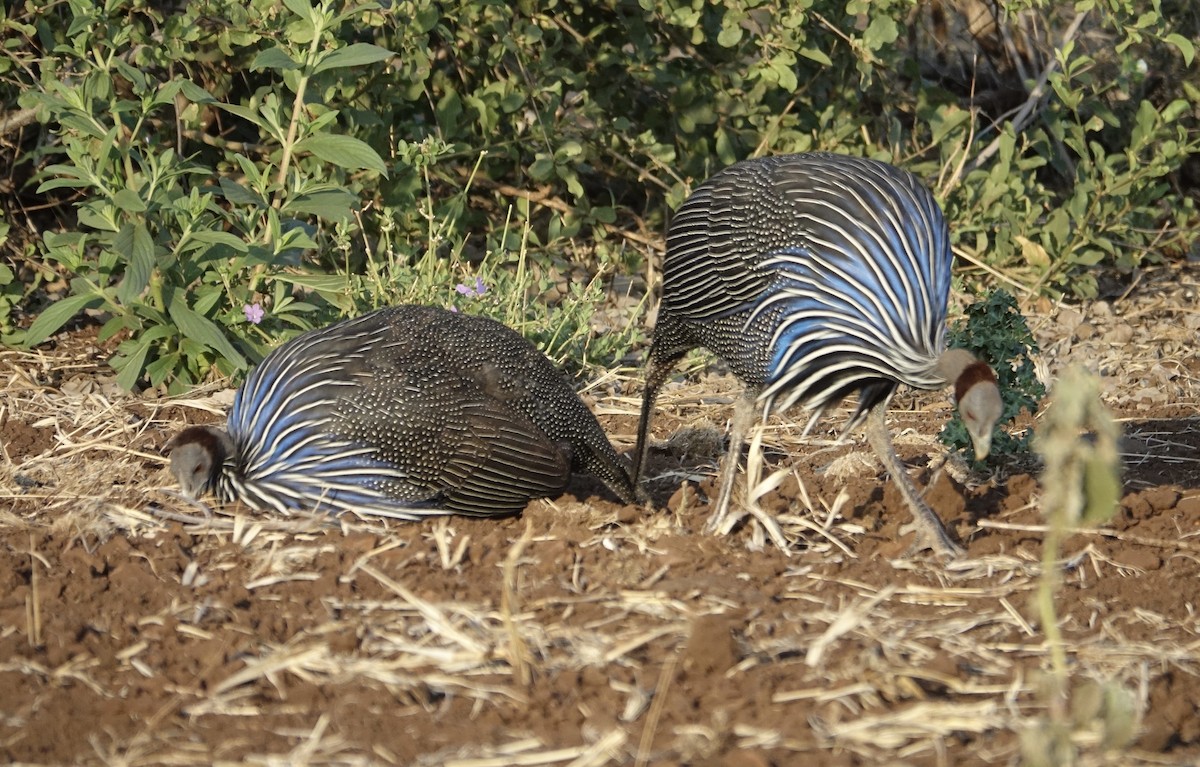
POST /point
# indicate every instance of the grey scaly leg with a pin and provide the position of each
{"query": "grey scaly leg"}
(743, 416)
(930, 532)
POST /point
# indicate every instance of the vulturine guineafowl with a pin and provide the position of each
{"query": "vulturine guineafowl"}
(405, 412)
(813, 276)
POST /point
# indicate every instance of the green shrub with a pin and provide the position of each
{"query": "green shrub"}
(996, 332)
(173, 255)
(253, 153)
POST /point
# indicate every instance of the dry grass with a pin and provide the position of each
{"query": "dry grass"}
(864, 657)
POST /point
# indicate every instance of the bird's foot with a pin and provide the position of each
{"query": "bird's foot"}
(933, 538)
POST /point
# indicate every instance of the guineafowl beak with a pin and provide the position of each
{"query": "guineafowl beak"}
(982, 443)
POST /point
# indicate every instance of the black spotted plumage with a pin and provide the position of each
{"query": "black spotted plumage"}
(403, 412)
(815, 276)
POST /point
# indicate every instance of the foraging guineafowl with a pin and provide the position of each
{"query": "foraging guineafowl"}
(405, 412)
(816, 275)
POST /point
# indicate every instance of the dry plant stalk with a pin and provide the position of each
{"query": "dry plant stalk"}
(518, 650)
(33, 603)
(1081, 485)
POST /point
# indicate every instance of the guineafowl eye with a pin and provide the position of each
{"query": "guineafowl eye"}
(814, 276)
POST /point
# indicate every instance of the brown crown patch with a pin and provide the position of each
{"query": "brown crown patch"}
(204, 436)
(976, 372)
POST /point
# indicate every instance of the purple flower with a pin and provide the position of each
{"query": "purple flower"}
(466, 290)
(254, 313)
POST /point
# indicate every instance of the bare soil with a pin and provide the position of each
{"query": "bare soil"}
(138, 628)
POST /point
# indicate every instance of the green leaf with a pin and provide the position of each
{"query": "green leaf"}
(300, 7)
(214, 237)
(344, 152)
(131, 364)
(1146, 122)
(162, 367)
(159, 370)
(296, 237)
(1058, 226)
(207, 301)
(1171, 112)
(356, 55)
(64, 240)
(1087, 256)
(572, 178)
(448, 110)
(604, 215)
(354, 9)
(948, 119)
(240, 195)
(135, 244)
(59, 183)
(330, 204)
(729, 36)
(200, 328)
(194, 93)
(115, 325)
(817, 55)
(881, 32)
(141, 258)
(104, 151)
(249, 115)
(322, 283)
(542, 168)
(725, 148)
(273, 58)
(782, 65)
(569, 149)
(129, 201)
(98, 214)
(58, 314)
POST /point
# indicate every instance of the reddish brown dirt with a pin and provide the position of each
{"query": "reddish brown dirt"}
(582, 632)
(134, 659)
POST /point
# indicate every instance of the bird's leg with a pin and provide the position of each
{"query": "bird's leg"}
(649, 394)
(743, 416)
(657, 370)
(930, 532)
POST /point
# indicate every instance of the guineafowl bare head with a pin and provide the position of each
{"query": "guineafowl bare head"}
(197, 456)
(977, 395)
